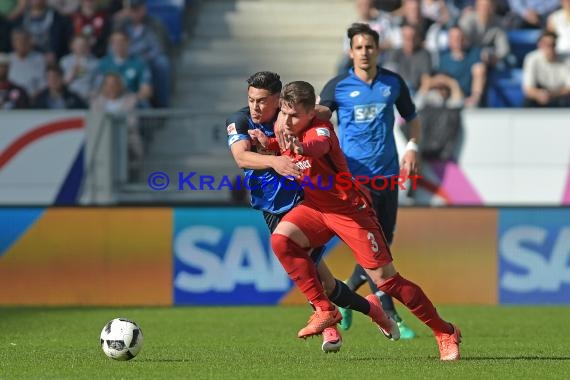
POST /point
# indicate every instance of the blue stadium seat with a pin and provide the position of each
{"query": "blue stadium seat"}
(171, 13)
(505, 89)
(523, 41)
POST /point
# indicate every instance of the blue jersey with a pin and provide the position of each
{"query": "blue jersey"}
(267, 190)
(366, 119)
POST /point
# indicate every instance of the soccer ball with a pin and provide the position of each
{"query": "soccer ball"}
(121, 339)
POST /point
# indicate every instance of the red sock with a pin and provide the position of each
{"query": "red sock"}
(301, 269)
(415, 299)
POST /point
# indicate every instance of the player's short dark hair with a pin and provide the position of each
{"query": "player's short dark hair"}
(266, 80)
(299, 92)
(361, 28)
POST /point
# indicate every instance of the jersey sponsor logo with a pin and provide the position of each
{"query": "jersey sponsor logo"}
(305, 164)
(231, 129)
(367, 112)
(354, 94)
(323, 132)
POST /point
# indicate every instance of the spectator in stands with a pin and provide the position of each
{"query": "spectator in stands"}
(49, 30)
(546, 76)
(435, 11)
(411, 61)
(133, 70)
(368, 14)
(27, 67)
(411, 15)
(65, 7)
(57, 95)
(530, 13)
(464, 64)
(80, 68)
(483, 29)
(112, 7)
(4, 35)
(146, 43)
(12, 96)
(115, 99)
(460, 7)
(12, 9)
(559, 23)
(439, 101)
(94, 23)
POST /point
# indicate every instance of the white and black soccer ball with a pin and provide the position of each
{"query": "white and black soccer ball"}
(121, 339)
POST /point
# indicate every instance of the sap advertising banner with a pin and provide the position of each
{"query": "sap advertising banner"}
(223, 256)
(534, 256)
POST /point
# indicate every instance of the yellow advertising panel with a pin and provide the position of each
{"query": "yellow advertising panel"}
(91, 256)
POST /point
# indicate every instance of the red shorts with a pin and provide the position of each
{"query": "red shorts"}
(359, 230)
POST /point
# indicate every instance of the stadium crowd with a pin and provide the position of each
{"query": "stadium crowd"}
(57, 54)
(455, 54)
(476, 43)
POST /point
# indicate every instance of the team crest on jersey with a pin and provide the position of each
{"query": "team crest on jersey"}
(386, 92)
(323, 132)
(231, 129)
(305, 164)
(354, 94)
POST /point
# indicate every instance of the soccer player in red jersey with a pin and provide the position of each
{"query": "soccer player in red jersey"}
(333, 208)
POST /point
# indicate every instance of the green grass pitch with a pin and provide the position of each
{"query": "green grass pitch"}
(260, 343)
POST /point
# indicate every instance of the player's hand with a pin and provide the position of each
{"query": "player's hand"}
(258, 136)
(285, 166)
(293, 144)
(410, 164)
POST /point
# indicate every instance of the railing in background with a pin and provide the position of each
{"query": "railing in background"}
(125, 150)
(506, 157)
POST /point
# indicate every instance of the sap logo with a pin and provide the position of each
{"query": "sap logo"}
(245, 260)
(368, 112)
(534, 270)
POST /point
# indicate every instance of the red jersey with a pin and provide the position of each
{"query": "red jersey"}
(321, 163)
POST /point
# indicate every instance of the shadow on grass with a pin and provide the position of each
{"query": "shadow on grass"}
(471, 358)
(475, 358)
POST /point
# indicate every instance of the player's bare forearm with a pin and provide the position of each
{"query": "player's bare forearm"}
(246, 159)
(415, 130)
(410, 160)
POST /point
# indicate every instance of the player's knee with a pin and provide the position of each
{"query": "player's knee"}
(279, 244)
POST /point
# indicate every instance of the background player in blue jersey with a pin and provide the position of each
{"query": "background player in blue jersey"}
(264, 170)
(364, 99)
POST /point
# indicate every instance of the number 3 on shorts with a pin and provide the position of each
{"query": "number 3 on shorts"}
(373, 243)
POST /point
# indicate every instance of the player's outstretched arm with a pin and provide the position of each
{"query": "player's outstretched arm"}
(246, 159)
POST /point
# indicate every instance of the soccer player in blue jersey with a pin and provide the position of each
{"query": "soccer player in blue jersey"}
(364, 99)
(264, 170)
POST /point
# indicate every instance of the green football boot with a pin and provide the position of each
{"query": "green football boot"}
(346, 321)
